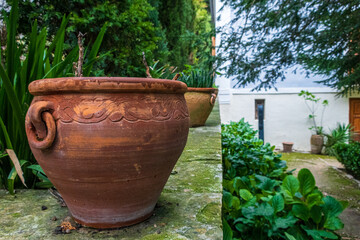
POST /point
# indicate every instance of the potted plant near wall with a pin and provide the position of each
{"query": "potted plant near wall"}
(201, 95)
(313, 103)
(108, 144)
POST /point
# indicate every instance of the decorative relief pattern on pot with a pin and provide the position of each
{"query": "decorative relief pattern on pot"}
(96, 109)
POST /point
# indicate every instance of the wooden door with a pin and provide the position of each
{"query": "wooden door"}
(354, 115)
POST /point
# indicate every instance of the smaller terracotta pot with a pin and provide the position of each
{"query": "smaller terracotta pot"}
(200, 102)
(317, 143)
(287, 147)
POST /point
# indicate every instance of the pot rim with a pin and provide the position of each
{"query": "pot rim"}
(105, 84)
(204, 90)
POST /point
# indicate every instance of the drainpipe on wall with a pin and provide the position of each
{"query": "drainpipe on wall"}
(261, 121)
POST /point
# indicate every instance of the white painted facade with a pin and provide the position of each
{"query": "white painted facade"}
(286, 114)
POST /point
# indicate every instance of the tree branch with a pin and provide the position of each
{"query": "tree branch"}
(148, 75)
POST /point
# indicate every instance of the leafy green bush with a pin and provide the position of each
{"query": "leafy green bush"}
(131, 30)
(349, 155)
(198, 79)
(340, 134)
(262, 200)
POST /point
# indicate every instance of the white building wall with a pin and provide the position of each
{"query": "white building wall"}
(286, 115)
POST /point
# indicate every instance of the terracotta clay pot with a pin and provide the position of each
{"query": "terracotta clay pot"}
(287, 147)
(317, 143)
(200, 102)
(108, 144)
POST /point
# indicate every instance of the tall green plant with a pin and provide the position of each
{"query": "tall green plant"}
(198, 79)
(312, 103)
(22, 65)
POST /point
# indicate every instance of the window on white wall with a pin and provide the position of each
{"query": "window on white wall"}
(257, 103)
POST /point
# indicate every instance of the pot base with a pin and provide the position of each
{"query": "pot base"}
(317, 143)
(114, 225)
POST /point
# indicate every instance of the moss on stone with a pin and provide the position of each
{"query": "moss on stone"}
(164, 236)
(303, 156)
(209, 213)
(343, 187)
(195, 177)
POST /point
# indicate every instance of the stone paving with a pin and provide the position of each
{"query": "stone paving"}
(189, 206)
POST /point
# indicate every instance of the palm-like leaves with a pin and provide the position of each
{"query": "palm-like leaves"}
(198, 79)
(340, 134)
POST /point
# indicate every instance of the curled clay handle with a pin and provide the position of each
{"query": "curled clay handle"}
(40, 125)
(213, 98)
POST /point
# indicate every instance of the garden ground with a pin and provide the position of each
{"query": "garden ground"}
(332, 180)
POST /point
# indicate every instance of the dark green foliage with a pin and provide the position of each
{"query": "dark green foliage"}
(131, 30)
(162, 50)
(349, 155)
(202, 37)
(188, 28)
(23, 64)
(340, 134)
(261, 200)
(198, 79)
(174, 32)
(322, 36)
(177, 18)
(130, 33)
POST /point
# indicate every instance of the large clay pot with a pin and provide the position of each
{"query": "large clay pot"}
(200, 102)
(317, 143)
(108, 144)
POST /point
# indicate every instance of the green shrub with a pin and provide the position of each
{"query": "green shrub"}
(349, 155)
(177, 18)
(174, 32)
(130, 30)
(262, 200)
